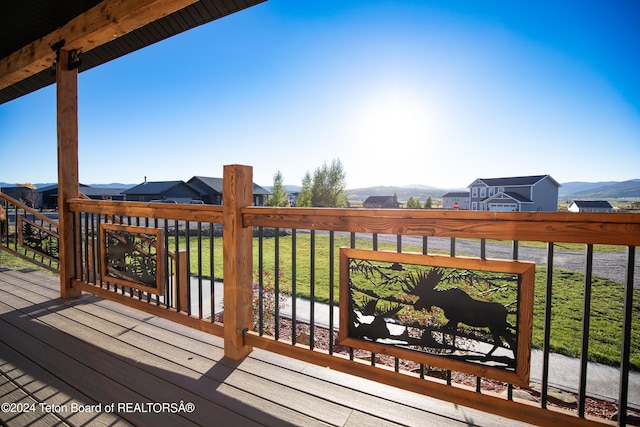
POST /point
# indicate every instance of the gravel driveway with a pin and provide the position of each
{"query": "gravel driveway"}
(610, 265)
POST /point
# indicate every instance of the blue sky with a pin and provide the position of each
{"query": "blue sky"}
(402, 92)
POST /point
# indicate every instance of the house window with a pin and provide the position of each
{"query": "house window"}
(474, 206)
(500, 189)
(483, 192)
(474, 192)
(491, 191)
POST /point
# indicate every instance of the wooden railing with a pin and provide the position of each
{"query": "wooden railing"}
(28, 234)
(229, 243)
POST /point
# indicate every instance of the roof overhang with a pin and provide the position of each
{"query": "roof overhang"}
(102, 30)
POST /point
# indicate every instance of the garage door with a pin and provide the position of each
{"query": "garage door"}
(504, 207)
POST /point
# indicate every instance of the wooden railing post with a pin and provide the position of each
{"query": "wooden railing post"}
(68, 186)
(237, 193)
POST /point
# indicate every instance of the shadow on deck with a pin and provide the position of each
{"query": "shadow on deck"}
(89, 361)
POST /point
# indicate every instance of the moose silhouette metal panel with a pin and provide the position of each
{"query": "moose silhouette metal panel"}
(133, 256)
(463, 314)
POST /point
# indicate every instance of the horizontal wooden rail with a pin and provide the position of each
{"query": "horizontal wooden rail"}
(198, 213)
(594, 228)
(27, 209)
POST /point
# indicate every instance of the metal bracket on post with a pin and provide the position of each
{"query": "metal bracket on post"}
(75, 59)
(56, 48)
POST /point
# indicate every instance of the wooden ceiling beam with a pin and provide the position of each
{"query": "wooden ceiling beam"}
(101, 24)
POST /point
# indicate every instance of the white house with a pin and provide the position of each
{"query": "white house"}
(590, 206)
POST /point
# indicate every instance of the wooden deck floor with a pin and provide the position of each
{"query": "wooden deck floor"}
(59, 356)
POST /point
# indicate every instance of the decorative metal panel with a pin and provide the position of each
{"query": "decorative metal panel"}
(462, 314)
(38, 239)
(133, 256)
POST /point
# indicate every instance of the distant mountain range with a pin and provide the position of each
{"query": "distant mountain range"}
(601, 190)
(576, 190)
(419, 192)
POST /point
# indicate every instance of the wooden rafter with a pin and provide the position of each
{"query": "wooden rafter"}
(101, 24)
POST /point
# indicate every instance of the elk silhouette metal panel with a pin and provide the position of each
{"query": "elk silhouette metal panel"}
(133, 256)
(463, 314)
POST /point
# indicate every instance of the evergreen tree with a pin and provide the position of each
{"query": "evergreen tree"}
(429, 203)
(328, 186)
(304, 196)
(413, 203)
(278, 197)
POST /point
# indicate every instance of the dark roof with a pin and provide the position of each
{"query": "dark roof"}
(215, 184)
(199, 182)
(257, 190)
(153, 187)
(518, 197)
(23, 22)
(457, 194)
(380, 199)
(602, 204)
(514, 181)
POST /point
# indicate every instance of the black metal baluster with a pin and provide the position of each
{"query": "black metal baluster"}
(260, 281)
(187, 238)
(331, 285)
(514, 256)
(85, 239)
(312, 321)
(626, 337)
(98, 251)
(353, 245)
(547, 326)
(276, 290)
(294, 320)
(586, 319)
(199, 237)
(176, 244)
(168, 289)
(212, 283)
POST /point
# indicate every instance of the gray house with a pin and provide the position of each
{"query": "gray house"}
(537, 193)
(178, 191)
(210, 190)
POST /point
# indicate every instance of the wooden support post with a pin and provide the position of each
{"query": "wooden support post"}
(68, 186)
(181, 276)
(237, 192)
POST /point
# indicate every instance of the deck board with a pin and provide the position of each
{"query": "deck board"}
(92, 351)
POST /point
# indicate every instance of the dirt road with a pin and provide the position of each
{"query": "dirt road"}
(610, 265)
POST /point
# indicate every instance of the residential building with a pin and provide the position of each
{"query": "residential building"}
(456, 200)
(537, 193)
(178, 191)
(21, 194)
(210, 190)
(381, 202)
(590, 206)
